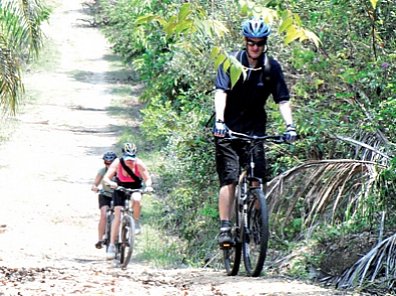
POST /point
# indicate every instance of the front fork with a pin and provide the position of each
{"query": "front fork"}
(248, 184)
(243, 205)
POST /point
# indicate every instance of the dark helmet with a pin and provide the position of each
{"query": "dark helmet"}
(109, 156)
(129, 148)
(255, 28)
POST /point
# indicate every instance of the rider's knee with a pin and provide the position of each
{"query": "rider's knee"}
(136, 196)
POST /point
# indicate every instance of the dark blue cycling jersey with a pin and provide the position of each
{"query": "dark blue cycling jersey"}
(245, 104)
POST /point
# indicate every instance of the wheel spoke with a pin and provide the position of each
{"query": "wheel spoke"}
(255, 234)
(232, 256)
(127, 240)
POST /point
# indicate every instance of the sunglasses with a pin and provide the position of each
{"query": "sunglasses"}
(258, 43)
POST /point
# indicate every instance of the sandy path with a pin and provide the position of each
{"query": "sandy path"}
(53, 155)
(46, 170)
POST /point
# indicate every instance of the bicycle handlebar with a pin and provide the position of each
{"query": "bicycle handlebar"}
(129, 190)
(277, 139)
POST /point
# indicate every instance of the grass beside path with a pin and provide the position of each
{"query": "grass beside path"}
(154, 246)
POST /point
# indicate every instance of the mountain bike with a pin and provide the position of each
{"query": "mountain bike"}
(126, 236)
(250, 228)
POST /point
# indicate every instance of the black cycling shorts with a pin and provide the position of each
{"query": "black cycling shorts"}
(119, 196)
(104, 200)
(231, 155)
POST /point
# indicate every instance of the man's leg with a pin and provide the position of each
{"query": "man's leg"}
(227, 165)
(226, 201)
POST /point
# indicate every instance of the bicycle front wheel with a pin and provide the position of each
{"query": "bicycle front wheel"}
(127, 240)
(232, 255)
(109, 221)
(255, 233)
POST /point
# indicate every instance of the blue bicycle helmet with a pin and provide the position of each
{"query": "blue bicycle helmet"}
(109, 156)
(255, 28)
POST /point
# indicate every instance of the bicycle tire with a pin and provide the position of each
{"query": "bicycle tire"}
(255, 233)
(232, 256)
(106, 240)
(127, 240)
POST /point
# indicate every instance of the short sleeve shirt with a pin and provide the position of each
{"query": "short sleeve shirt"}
(105, 186)
(245, 105)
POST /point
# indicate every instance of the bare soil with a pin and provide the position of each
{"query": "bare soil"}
(48, 215)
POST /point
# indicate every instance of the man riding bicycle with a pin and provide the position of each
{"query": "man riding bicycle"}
(242, 109)
(129, 172)
(105, 195)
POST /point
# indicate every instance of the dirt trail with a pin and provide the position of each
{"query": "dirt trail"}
(48, 215)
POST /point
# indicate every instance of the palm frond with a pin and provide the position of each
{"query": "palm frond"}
(374, 271)
(11, 86)
(20, 24)
(326, 189)
(20, 38)
(369, 147)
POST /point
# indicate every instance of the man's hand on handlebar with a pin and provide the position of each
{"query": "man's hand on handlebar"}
(290, 135)
(220, 129)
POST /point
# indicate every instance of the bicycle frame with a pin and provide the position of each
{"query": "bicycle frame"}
(251, 226)
(252, 141)
(126, 231)
(246, 176)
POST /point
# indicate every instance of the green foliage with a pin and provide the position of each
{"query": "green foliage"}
(343, 84)
(154, 245)
(383, 200)
(20, 39)
(154, 117)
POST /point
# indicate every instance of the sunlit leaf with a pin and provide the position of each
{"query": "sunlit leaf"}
(220, 59)
(212, 28)
(297, 19)
(286, 23)
(235, 74)
(185, 11)
(374, 3)
(215, 51)
(146, 19)
(183, 26)
(236, 70)
(226, 64)
(292, 34)
(169, 28)
(244, 10)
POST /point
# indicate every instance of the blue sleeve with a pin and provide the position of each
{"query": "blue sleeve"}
(279, 91)
(223, 80)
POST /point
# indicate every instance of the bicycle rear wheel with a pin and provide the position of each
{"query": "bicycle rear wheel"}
(127, 240)
(255, 233)
(232, 255)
